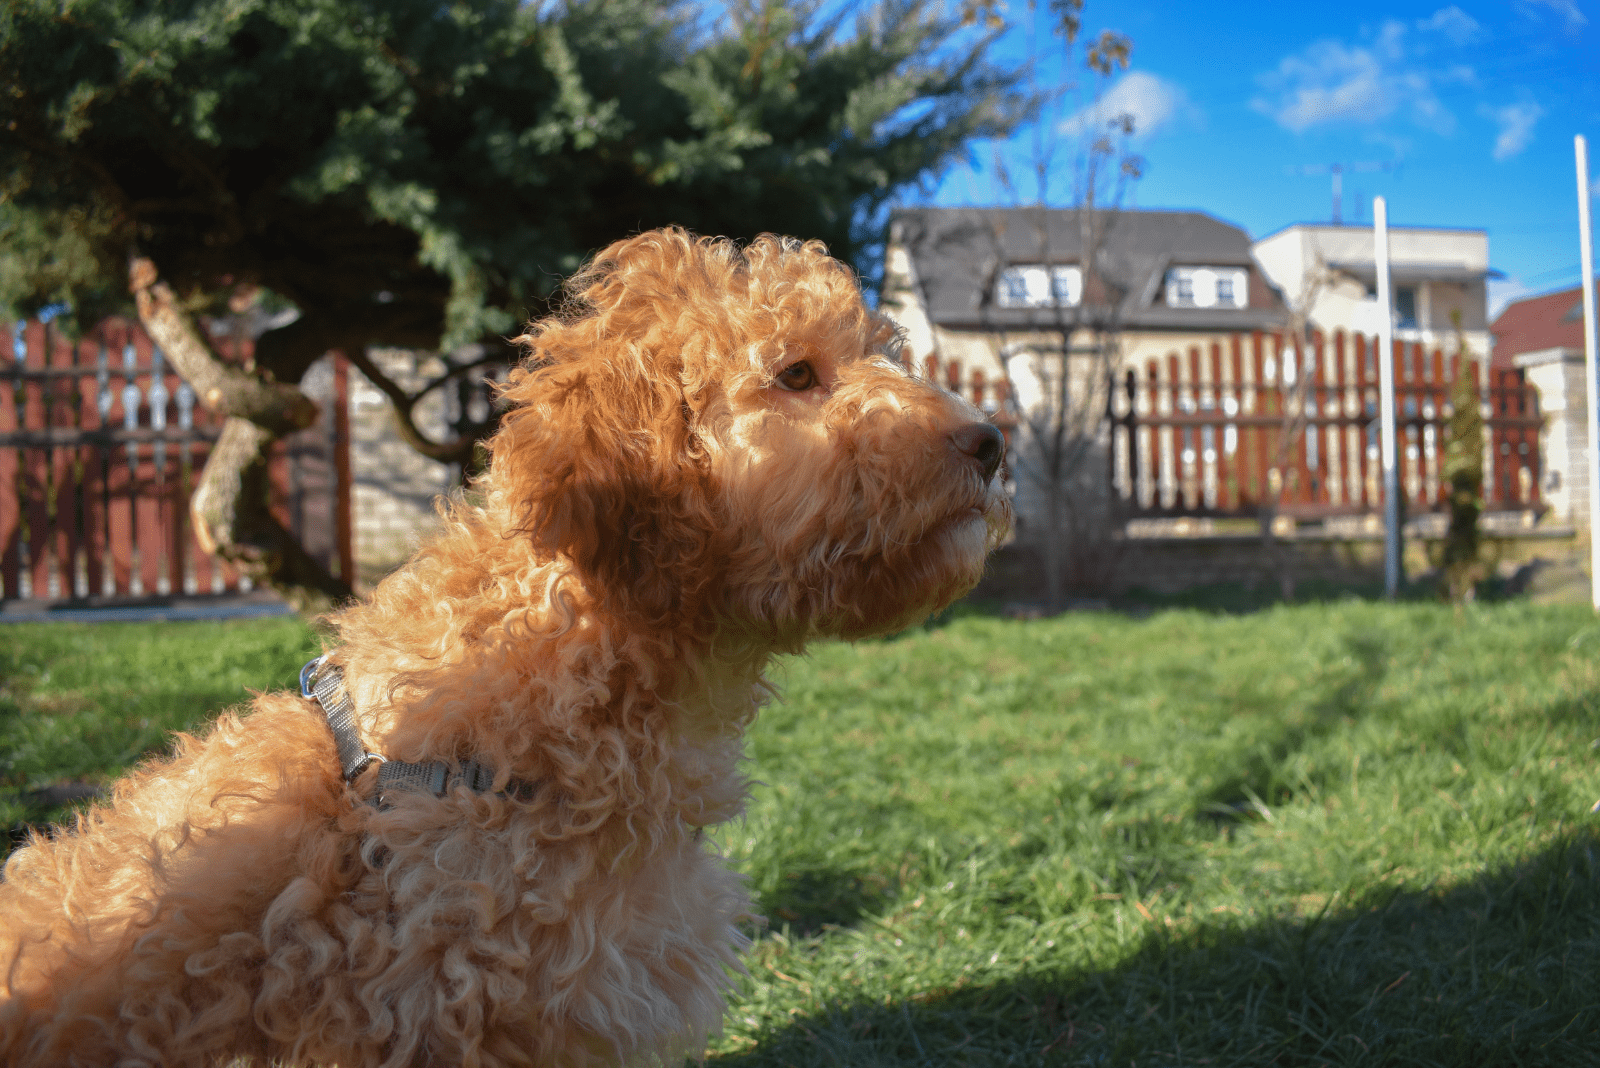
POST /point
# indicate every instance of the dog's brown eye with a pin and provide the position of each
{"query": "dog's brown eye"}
(798, 377)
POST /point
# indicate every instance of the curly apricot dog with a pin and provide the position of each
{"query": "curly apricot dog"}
(712, 458)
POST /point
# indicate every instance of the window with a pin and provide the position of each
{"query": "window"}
(1013, 288)
(1208, 287)
(1225, 285)
(1034, 285)
(1405, 307)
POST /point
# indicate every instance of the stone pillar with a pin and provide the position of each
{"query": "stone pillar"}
(1557, 373)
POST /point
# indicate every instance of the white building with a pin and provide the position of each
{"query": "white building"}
(1433, 273)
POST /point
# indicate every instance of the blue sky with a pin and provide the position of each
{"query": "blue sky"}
(1471, 106)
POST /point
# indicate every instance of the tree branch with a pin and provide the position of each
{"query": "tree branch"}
(277, 408)
(456, 451)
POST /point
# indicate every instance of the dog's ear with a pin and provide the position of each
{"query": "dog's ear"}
(598, 461)
(598, 465)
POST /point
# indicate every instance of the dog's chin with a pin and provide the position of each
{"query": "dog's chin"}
(863, 596)
(965, 540)
(949, 561)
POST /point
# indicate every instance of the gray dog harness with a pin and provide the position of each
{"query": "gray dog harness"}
(325, 685)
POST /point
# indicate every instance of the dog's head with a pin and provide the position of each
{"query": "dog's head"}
(726, 433)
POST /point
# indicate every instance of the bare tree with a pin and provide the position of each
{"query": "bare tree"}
(1461, 556)
(1049, 292)
(1059, 366)
(1295, 373)
(229, 506)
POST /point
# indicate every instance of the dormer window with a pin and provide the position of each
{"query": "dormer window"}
(1208, 287)
(1034, 285)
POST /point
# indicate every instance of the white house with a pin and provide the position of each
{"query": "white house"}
(997, 299)
(1433, 272)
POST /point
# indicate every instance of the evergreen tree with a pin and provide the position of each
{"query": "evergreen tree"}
(422, 173)
(1463, 473)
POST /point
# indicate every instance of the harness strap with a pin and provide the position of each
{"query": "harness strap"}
(325, 685)
(436, 777)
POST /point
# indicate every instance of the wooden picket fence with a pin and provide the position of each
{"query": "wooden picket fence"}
(101, 445)
(1199, 433)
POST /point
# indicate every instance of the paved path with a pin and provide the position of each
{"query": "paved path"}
(146, 609)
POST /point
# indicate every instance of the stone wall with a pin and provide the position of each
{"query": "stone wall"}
(394, 488)
(1174, 562)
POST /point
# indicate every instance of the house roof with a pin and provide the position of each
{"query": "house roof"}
(1552, 321)
(957, 252)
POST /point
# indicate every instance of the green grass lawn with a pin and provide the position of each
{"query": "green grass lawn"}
(81, 703)
(1346, 833)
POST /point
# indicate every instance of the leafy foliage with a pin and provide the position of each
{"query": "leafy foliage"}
(414, 172)
(422, 174)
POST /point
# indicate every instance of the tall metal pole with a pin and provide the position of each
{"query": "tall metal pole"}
(1586, 266)
(1386, 426)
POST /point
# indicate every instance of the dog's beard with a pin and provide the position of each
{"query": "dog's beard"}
(885, 580)
(908, 586)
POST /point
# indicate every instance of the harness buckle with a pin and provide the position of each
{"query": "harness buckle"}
(308, 677)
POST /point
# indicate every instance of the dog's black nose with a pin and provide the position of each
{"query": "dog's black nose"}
(984, 443)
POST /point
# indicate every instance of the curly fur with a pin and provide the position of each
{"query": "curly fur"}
(660, 517)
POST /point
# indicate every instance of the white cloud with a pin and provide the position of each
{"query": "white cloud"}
(1504, 291)
(1451, 21)
(1331, 82)
(1516, 122)
(1567, 10)
(1152, 102)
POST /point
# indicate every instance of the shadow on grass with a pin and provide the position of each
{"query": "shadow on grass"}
(814, 873)
(966, 608)
(1347, 690)
(806, 901)
(1504, 970)
(75, 748)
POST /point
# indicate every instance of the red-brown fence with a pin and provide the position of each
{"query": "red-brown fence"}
(100, 447)
(1201, 433)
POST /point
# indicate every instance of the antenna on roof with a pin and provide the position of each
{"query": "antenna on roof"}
(1337, 170)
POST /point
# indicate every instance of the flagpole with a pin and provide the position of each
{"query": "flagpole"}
(1386, 422)
(1586, 281)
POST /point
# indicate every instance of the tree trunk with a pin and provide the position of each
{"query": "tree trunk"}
(1053, 548)
(232, 518)
(1279, 559)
